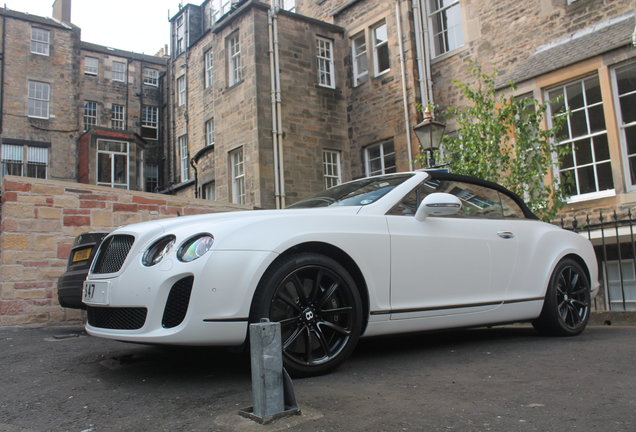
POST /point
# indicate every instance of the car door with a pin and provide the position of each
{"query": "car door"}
(454, 264)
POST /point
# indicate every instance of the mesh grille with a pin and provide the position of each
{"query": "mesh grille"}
(112, 253)
(177, 304)
(116, 318)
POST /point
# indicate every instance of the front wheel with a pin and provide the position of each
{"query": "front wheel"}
(318, 305)
(566, 309)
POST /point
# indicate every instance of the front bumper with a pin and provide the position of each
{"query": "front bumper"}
(204, 302)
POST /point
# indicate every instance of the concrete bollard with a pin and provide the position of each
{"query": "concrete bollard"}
(272, 391)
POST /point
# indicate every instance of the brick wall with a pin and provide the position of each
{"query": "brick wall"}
(39, 220)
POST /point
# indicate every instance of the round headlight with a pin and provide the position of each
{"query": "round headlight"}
(195, 247)
(158, 250)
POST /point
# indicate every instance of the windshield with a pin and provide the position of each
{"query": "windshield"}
(356, 193)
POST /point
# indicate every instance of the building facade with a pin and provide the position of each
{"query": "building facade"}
(76, 111)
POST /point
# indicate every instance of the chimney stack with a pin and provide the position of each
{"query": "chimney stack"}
(62, 11)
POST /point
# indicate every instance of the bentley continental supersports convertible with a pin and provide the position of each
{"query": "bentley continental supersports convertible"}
(398, 253)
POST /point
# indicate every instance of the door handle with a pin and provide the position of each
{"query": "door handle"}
(505, 234)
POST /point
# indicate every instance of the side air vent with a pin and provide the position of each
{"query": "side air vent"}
(177, 304)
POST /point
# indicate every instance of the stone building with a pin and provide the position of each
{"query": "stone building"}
(77, 111)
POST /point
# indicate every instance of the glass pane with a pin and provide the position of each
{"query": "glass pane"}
(383, 58)
(583, 152)
(578, 123)
(563, 133)
(568, 182)
(597, 119)
(605, 180)
(587, 183)
(380, 34)
(592, 91)
(567, 160)
(575, 96)
(556, 101)
(103, 168)
(628, 108)
(120, 169)
(601, 149)
(630, 138)
(628, 271)
(626, 79)
(632, 169)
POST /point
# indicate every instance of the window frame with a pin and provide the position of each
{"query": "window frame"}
(184, 158)
(622, 126)
(35, 103)
(113, 163)
(382, 158)
(325, 65)
(433, 12)
(181, 90)
(118, 117)
(151, 77)
(572, 140)
(234, 71)
(119, 75)
(378, 46)
(331, 168)
(89, 114)
(88, 70)
(30, 158)
(149, 120)
(210, 137)
(40, 46)
(237, 165)
(208, 69)
(358, 77)
(179, 35)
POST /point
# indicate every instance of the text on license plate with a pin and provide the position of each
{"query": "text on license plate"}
(95, 292)
(82, 254)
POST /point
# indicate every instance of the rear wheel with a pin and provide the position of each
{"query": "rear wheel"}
(318, 305)
(566, 309)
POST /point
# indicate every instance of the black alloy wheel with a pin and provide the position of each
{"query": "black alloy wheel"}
(318, 306)
(566, 309)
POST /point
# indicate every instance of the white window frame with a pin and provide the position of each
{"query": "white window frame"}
(39, 97)
(359, 55)
(26, 156)
(151, 77)
(150, 119)
(384, 169)
(237, 163)
(208, 62)
(89, 114)
(91, 69)
(209, 133)
(151, 174)
(40, 41)
(331, 168)
(179, 35)
(377, 46)
(622, 126)
(119, 74)
(181, 90)
(118, 117)
(184, 159)
(235, 74)
(112, 154)
(208, 191)
(288, 5)
(629, 284)
(437, 8)
(571, 140)
(325, 63)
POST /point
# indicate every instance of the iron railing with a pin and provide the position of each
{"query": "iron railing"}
(615, 246)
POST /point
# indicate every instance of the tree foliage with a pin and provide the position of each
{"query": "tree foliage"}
(501, 138)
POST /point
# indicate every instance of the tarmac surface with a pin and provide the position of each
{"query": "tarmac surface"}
(500, 379)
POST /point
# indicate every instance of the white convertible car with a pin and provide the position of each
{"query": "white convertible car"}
(398, 253)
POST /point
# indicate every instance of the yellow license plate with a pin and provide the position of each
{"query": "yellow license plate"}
(82, 254)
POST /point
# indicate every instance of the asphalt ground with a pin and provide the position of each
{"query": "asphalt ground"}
(499, 379)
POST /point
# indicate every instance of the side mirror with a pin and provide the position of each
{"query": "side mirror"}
(438, 204)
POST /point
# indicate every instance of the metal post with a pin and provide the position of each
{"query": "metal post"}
(272, 391)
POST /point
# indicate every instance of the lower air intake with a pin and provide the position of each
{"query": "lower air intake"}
(116, 318)
(177, 304)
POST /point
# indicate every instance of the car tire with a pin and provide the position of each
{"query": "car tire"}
(566, 308)
(318, 305)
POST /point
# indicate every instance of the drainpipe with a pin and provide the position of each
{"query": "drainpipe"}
(277, 134)
(407, 121)
(419, 49)
(196, 178)
(427, 51)
(3, 59)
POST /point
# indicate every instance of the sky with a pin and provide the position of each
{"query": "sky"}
(132, 25)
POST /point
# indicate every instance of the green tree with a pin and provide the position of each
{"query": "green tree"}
(500, 138)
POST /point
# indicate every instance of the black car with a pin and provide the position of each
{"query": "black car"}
(69, 285)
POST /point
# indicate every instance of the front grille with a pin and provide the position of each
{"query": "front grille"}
(112, 253)
(116, 318)
(177, 304)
